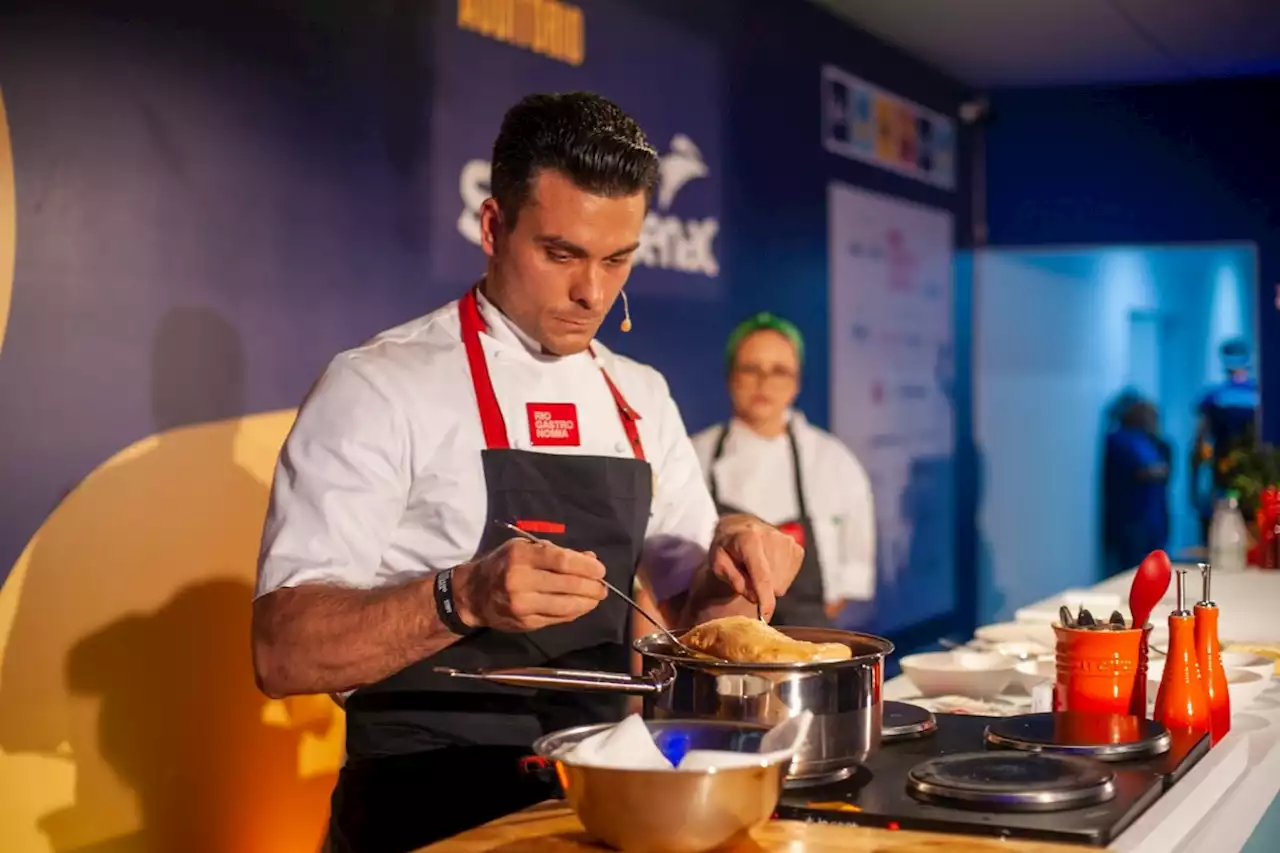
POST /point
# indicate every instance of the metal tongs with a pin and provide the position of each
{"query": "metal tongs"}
(693, 653)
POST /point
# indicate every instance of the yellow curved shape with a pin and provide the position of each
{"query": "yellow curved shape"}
(128, 711)
(8, 222)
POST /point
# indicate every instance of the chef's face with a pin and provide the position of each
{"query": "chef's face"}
(765, 377)
(558, 271)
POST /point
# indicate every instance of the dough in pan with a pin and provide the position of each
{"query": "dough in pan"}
(741, 639)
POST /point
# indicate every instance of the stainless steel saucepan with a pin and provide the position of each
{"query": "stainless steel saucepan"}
(844, 696)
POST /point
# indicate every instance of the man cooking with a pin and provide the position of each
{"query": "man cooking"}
(383, 557)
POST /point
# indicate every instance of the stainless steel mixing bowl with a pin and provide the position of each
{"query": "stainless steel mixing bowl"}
(670, 811)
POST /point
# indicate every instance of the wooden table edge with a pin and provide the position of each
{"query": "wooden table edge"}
(552, 827)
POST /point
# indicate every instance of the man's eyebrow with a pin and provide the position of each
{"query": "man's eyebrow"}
(625, 250)
(554, 241)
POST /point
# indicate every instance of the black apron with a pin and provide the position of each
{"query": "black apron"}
(429, 756)
(803, 605)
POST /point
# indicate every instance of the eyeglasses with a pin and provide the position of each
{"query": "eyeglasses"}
(761, 375)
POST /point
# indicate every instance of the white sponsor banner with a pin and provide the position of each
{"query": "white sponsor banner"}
(891, 381)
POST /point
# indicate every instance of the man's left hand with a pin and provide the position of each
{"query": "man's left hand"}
(756, 560)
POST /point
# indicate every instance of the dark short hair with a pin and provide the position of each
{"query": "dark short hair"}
(587, 138)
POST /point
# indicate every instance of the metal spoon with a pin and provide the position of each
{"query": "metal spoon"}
(1064, 615)
(628, 599)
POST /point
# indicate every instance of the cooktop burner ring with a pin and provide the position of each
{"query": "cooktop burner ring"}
(904, 721)
(1012, 781)
(813, 780)
(1105, 737)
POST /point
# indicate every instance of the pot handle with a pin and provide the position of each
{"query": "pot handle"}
(653, 682)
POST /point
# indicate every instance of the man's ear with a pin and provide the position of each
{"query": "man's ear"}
(491, 226)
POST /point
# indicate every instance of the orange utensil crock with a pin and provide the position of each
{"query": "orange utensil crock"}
(1101, 671)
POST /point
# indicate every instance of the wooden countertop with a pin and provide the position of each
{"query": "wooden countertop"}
(552, 828)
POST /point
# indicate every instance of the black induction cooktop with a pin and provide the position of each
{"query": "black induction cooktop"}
(878, 793)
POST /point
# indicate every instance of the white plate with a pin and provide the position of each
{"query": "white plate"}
(1100, 604)
(1001, 706)
(1243, 686)
(1249, 661)
(1018, 632)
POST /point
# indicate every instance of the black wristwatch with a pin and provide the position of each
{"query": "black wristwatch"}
(446, 607)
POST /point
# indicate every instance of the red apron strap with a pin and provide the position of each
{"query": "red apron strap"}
(495, 428)
(626, 414)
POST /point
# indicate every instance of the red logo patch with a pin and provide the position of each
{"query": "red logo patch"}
(553, 424)
(795, 530)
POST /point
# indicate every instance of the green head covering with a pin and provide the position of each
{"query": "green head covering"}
(759, 322)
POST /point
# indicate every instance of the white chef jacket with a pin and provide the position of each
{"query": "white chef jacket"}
(381, 481)
(756, 474)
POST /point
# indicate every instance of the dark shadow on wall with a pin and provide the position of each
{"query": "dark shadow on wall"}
(131, 641)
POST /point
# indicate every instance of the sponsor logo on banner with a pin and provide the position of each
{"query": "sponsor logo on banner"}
(550, 28)
(668, 241)
(863, 122)
(553, 424)
(902, 262)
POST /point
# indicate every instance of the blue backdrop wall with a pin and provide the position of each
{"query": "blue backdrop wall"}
(1146, 165)
(200, 203)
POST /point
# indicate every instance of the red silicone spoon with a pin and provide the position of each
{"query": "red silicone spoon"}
(1149, 586)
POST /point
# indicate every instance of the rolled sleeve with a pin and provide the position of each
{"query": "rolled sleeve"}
(684, 516)
(340, 485)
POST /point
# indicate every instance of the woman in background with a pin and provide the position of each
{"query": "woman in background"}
(771, 462)
(1136, 476)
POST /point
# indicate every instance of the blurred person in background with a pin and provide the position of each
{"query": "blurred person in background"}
(1228, 422)
(1137, 465)
(769, 461)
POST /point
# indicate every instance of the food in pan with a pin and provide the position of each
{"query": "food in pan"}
(741, 639)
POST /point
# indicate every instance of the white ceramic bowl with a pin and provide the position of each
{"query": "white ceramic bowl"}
(1033, 672)
(1251, 662)
(961, 673)
(1040, 635)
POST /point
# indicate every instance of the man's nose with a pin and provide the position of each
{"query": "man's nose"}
(588, 288)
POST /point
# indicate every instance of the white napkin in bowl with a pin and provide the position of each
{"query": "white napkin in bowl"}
(626, 746)
(779, 744)
(630, 746)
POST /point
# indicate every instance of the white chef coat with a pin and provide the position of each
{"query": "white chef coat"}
(381, 480)
(756, 475)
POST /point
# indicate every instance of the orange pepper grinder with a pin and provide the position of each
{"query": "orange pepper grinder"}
(1209, 656)
(1181, 701)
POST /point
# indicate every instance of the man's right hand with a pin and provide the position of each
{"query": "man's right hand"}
(523, 586)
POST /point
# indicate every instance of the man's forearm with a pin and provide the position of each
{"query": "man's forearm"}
(320, 638)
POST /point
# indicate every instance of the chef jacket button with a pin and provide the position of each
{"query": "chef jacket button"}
(620, 447)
